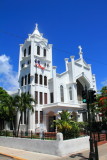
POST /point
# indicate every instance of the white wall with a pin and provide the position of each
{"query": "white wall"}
(54, 147)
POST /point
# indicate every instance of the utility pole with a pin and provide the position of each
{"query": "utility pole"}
(89, 97)
(91, 153)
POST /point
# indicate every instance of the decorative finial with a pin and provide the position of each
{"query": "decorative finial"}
(80, 49)
(36, 26)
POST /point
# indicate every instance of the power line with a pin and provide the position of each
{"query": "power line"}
(12, 34)
(85, 56)
(64, 51)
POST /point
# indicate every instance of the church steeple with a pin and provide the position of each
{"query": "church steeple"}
(36, 31)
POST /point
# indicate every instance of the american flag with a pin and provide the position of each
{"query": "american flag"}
(37, 64)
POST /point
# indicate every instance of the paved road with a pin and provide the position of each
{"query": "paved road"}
(5, 158)
(26, 155)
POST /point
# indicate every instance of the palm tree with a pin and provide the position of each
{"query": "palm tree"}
(23, 102)
(66, 125)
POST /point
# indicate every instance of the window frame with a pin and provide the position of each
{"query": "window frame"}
(25, 79)
(40, 79)
(36, 78)
(45, 98)
(29, 50)
(38, 50)
(36, 117)
(62, 93)
(24, 52)
(70, 93)
(51, 97)
(22, 81)
(40, 97)
(44, 52)
(45, 80)
(29, 78)
(41, 116)
(36, 97)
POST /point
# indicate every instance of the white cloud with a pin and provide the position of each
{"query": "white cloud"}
(104, 83)
(8, 77)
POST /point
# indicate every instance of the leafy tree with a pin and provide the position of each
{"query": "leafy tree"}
(3, 95)
(11, 109)
(7, 108)
(66, 125)
(23, 102)
(104, 91)
(102, 103)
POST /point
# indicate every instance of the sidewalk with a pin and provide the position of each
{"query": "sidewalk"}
(26, 155)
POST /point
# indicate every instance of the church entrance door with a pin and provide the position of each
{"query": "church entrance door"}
(52, 126)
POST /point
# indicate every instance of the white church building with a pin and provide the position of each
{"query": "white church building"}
(52, 92)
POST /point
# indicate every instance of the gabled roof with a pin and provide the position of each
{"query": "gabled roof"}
(82, 63)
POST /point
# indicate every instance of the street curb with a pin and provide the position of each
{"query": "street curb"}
(17, 158)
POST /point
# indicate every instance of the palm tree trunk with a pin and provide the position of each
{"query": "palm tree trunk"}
(13, 124)
(19, 125)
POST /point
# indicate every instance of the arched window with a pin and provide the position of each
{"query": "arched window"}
(62, 93)
(38, 50)
(44, 52)
(23, 65)
(29, 50)
(70, 93)
(45, 80)
(29, 61)
(22, 80)
(26, 80)
(40, 79)
(25, 52)
(45, 98)
(36, 78)
(29, 78)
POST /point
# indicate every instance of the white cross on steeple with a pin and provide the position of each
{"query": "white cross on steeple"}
(36, 26)
(80, 49)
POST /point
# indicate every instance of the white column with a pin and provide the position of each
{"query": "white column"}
(74, 92)
(22, 117)
(32, 58)
(91, 84)
(49, 57)
(54, 84)
(20, 58)
(6, 125)
(44, 121)
(66, 63)
(72, 69)
(17, 119)
(31, 122)
(74, 84)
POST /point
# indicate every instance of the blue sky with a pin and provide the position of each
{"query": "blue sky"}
(65, 23)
